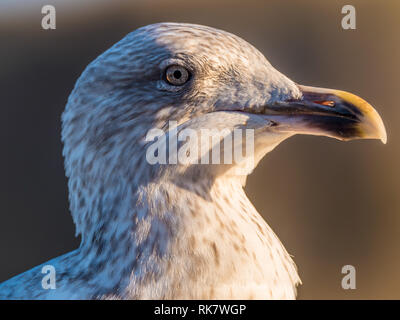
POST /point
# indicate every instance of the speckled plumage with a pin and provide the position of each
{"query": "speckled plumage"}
(165, 231)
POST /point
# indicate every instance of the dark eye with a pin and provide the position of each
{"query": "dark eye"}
(176, 75)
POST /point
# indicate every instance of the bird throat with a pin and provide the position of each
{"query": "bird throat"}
(196, 241)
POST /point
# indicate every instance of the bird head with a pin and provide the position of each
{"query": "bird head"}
(196, 78)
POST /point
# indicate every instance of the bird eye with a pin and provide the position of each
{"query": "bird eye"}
(176, 75)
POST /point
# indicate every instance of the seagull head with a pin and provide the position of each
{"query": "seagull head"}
(196, 78)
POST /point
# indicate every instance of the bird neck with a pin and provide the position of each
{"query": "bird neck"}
(144, 239)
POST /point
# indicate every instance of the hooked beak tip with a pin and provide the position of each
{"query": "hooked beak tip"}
(370, 123)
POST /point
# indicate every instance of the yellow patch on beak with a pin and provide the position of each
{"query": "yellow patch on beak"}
(371, 126)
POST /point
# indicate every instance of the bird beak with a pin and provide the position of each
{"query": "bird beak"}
(334, 113)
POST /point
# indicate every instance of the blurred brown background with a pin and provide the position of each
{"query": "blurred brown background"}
(331, 203)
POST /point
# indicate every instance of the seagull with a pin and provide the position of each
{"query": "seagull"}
(180, 230)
